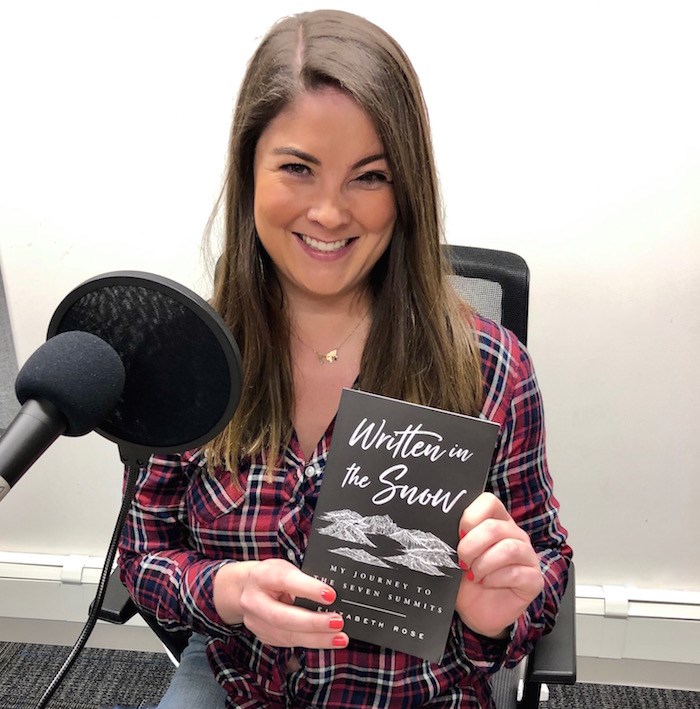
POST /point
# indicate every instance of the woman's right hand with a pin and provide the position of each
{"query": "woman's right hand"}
(260, 594)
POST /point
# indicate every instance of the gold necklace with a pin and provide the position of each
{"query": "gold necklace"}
(332, 355)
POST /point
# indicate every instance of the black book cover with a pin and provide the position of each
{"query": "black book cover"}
(386, 525)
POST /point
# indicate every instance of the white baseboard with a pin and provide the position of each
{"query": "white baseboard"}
(638, 673)
(59, 632)
(624, 635)
(46, 598)
(620, 623)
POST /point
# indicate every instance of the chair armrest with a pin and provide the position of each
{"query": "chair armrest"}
(554, 658)
(117, 607)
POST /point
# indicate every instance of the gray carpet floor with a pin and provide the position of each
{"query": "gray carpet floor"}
(606, 696)
(99, 678)
(103, 679)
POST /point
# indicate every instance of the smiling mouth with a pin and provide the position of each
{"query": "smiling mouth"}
(325, 246)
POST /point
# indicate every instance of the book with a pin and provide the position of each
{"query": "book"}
(386, 524)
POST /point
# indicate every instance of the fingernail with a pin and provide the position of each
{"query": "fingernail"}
(470, 575)
(336, 623)
(328, 594)
(462, 534)
(463, 566)
(340, 641)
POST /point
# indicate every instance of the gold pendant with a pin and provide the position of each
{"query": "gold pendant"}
(328, 357)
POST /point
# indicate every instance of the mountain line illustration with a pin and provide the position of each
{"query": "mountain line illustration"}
(420, 551)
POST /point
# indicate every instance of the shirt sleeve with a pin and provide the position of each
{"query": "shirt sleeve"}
(520, 477)
(164, 575)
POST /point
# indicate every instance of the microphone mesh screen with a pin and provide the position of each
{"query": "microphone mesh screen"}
(178, 380)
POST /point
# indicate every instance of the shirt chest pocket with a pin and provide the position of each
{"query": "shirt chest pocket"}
(210, 501)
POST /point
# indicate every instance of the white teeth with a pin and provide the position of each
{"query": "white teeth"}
(323, 245)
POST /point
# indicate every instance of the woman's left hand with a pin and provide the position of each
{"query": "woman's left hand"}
(501, 572)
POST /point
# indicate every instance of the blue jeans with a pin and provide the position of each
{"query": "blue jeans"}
(193, 685)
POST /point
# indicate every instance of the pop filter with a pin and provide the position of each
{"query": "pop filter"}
(182, 381)
(183, 368)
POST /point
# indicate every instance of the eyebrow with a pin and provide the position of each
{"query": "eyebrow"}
(315, 161)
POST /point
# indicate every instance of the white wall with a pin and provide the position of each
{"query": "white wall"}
(565, 132)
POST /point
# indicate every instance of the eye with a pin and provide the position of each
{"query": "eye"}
(296, 168)
(374, 178)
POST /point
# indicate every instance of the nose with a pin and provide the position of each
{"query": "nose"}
(328, 208)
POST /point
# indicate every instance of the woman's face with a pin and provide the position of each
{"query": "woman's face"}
(324, 199)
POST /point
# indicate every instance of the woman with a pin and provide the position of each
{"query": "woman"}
(332, 276)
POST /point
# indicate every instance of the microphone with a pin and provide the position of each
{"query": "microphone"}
(174, 385)
(138, 358)
(68, 386)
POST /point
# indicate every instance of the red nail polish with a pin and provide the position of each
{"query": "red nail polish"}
(335, 623)
(463, 566)
(339, 641)
(470, 575)
(462, 534)
(328, 594)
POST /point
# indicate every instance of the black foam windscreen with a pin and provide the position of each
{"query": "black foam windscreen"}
(77, 372)
(182, 365)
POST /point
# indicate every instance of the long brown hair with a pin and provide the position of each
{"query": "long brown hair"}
(432, 357)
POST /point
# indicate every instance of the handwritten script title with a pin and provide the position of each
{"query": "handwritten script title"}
(412, 442)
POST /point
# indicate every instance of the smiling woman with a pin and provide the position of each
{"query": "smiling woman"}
(324, 208)
(324, 214)
(333, 276)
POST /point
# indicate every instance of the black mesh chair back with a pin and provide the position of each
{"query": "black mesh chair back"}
(495, 283)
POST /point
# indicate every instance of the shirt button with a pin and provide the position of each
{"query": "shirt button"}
(290, 555)
(310, 471)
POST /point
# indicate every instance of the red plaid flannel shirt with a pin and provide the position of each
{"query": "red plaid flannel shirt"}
(185, 524)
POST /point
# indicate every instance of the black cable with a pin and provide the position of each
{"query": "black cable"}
(96, 606)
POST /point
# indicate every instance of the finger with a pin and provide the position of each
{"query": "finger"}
(321, 641)
(289, 626)
(525, 581)
(486, 506)
(283, 579)
(261, 609)
(505, 553)
(486, 535)
(269, 619)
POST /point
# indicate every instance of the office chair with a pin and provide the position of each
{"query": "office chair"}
(496, 284)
